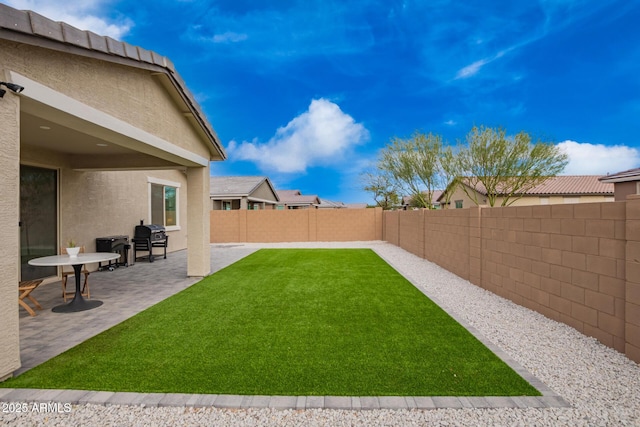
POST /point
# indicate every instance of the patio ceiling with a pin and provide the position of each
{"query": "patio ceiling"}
(90, 139)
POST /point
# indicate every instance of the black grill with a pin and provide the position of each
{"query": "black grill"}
(118, 244)
(146, 238)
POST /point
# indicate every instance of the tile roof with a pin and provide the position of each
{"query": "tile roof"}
(29, 27)
(572, 184)
(291, 197)
(566, 185)
(235, 185)
(628, 175)
(324, 203)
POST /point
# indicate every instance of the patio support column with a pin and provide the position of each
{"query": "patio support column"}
(10, 234)
(198, 222)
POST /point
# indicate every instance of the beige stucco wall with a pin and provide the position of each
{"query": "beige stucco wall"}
(624, 189)
(264, 192)
(127, 93)
(9, 256)
(107, 203)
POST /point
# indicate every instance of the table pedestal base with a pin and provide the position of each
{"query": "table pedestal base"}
(77, 305)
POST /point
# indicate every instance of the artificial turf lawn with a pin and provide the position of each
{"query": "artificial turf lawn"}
(288, 322)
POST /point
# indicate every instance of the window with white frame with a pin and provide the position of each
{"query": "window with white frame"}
(164, 203)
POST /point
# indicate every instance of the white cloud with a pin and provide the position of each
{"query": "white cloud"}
(229, 37)
(322, 135)
(84, 15)
(472, 69)
(598, 159)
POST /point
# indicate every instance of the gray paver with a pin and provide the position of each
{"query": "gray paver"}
(174, 399)
(205, 400)
(369, 402)
(152, 399)
(228, 401)
(424, 402)
(337, 402)
(96, 397)
(301, 402)
(447, 402)
(315, 402)
(392, 402)
(283, 402)
(126, 398)
(72, 396)
(259, 401)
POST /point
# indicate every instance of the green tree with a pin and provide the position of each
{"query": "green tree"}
(383, 189)
(506, 167)
(414, 165)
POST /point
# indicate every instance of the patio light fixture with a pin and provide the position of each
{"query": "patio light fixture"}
(14, 87)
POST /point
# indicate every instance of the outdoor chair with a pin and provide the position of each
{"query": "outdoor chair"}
(25, 288)
(67, 273)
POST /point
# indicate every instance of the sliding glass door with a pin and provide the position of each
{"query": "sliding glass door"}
(38, 219)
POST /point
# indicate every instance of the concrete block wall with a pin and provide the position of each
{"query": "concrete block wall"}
(564, 261)
(296, 225)
(578, 264)
(632, 273)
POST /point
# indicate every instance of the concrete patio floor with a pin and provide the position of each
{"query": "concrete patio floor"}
(124, 292)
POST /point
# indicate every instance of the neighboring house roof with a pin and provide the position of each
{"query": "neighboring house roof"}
(624, 176)
(565, 185)
(28, 27)
(435, 195)
(295, 197)
(324, 203)
(238, 186)
(356, 205)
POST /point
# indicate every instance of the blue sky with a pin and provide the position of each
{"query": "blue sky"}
(307, 92)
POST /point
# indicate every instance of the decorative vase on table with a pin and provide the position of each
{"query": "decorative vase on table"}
(73, 252)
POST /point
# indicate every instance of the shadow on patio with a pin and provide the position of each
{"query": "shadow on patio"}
(124, 292)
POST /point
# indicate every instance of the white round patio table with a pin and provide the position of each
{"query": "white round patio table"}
(78, 303)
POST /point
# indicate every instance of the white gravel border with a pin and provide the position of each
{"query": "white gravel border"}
(601, 384)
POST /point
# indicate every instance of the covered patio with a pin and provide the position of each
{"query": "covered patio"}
(124, 292)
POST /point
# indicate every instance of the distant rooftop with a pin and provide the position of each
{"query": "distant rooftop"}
(628, 175)
(567, 185)
(235, 185)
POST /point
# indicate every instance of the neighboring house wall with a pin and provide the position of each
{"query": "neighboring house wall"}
(297, 225)
(624, 189)
(575, 263)
(263, 192)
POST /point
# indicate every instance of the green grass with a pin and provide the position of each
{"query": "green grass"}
(288, 322)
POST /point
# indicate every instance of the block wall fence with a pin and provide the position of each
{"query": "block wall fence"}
(296, 225)
(578, 264)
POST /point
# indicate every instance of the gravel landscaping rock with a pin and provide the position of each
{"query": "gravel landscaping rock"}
(601, 384)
